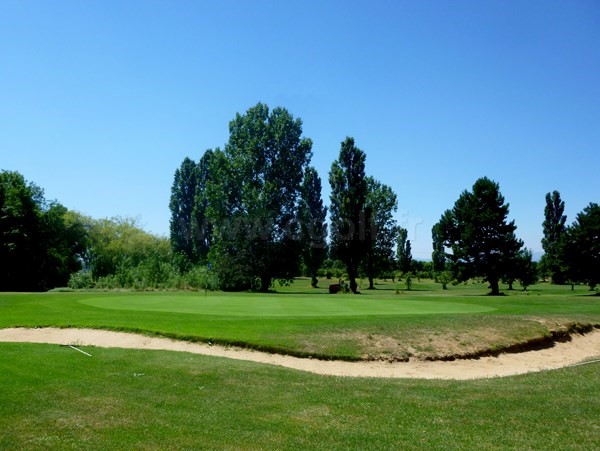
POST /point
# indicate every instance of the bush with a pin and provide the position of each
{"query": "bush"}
(109, 282)
(81, 280)
(200, 278)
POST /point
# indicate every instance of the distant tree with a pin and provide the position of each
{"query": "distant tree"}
(350, 218)
(416, 266)
(526, 268)
(427, 270)
(403, 251)
(382, 202)
(544, 270)
(201, 227)
(582, 247)
(408, 281)
(445, 277)
(476, 230)
(438, 256)
(313, 217)
(254, 196)
(183, 194)
(552, 242)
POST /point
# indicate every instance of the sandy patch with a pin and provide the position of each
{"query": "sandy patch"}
(579, 349)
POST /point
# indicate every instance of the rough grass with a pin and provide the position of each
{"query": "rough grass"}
(55, 398)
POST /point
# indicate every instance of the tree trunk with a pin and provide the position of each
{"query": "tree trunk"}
(352, 277)
(314, 281)
(494, 286)
(265, 283)
(371, 284)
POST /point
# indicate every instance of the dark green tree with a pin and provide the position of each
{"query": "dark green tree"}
(201, 227)
(64, 244)
(552, 242)
(183, 194)
(582, 247)
(39, 246)
(313, 217)
(481, 240)
(350, 217)
(254, 196)
(382, 202)
(20, 210)
(403, 251)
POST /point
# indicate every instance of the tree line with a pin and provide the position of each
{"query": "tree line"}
(571, 253)
(252, 213)
(477, 240)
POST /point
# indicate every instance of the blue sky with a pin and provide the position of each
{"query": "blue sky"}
(100, 101)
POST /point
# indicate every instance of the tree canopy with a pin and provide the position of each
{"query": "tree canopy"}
(254, 195)
(40, 246)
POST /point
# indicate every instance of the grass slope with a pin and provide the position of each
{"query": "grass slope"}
(56, 398)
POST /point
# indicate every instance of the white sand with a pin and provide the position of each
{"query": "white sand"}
(580, 348)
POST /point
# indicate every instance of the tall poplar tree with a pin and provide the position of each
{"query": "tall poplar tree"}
(183, 193)
(438, 256)
(554, 232)
(403, 251)
(201, 226)
(313, 217)
(350, 217)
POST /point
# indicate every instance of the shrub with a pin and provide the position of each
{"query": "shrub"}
(81, 280)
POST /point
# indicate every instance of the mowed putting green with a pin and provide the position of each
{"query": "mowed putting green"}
(255, 305)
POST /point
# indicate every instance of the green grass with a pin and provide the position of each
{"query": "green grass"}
(290, 305)
(55, 398)
(299, 320)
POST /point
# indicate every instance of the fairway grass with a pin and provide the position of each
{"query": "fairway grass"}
(56, 398)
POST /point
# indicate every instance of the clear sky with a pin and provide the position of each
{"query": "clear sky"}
(101, 100)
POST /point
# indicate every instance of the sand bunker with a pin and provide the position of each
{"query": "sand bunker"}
(579, 349)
